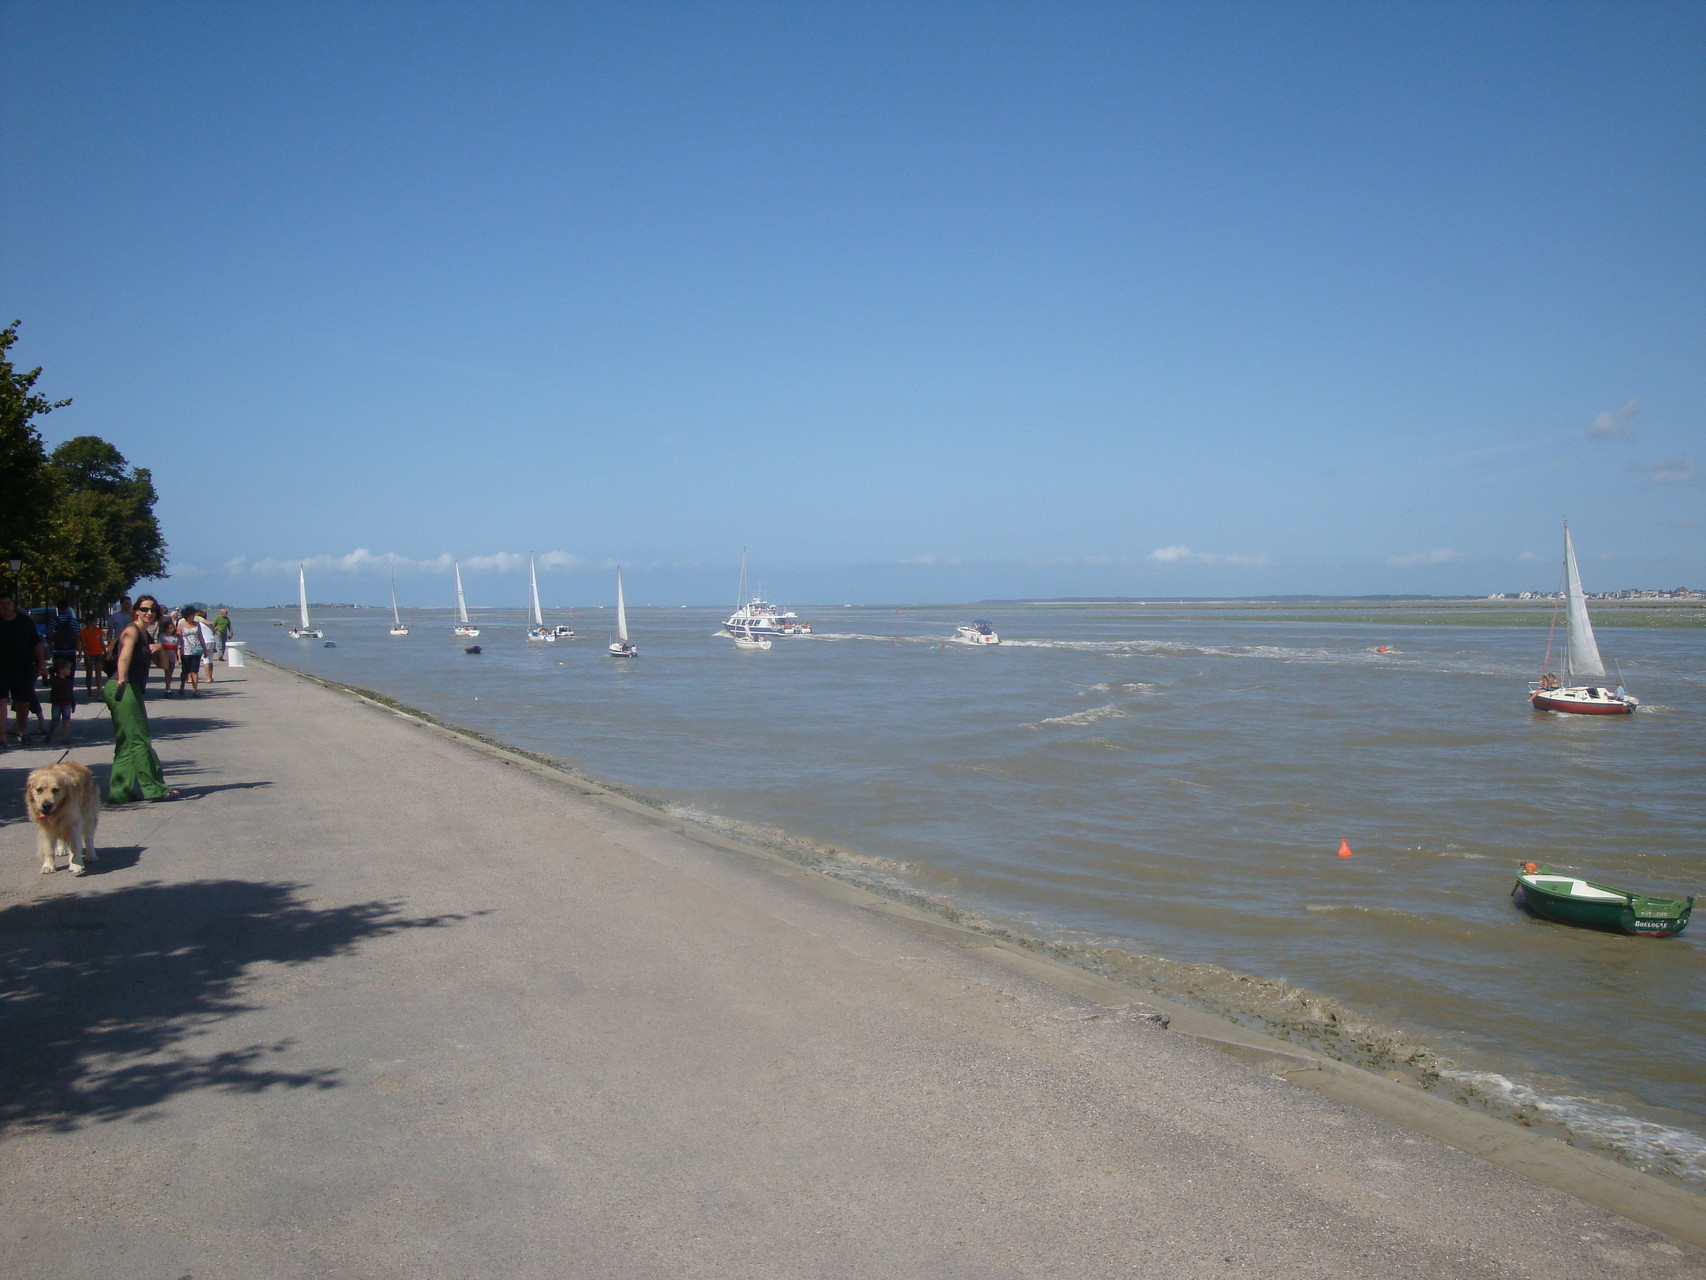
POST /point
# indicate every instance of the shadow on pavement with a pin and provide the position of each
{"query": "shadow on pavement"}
(98, 992)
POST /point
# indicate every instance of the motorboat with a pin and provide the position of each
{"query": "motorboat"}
(979, 632)
(1581, 689)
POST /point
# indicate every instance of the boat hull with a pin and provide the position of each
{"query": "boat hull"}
(1635, 914)
(1584, 701)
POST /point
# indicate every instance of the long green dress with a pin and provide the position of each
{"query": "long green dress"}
(136, 769)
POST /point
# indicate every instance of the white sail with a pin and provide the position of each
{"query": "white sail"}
(1582, 660)
(396, 619)
(621, 611)
(461, 602)
(533, 573)
(302, 594)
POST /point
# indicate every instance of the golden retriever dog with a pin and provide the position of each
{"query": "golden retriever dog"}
(65, 806)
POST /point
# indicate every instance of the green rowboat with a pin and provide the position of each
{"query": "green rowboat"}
(1552, 895)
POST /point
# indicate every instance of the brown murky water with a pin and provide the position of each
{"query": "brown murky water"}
(1166, 798)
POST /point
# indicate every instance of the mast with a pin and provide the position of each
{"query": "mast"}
(396, 619)
(533, 573)
(302, 592)
(1581, 658)
(621, 610)
(461, 603)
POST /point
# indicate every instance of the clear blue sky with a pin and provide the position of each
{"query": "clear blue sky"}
(925, 301)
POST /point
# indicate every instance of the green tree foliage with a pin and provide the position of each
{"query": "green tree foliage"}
(28, 488)
(81, 514)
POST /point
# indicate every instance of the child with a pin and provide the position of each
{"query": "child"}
(62, 692)
(93, 641)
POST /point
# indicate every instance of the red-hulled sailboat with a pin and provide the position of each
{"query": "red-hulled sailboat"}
(1582, 690)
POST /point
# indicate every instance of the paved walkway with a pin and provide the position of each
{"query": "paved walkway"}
(371, 1003)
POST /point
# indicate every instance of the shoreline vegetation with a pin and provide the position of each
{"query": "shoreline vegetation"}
(1292, 1015)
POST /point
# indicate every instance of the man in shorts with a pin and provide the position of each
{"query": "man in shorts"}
(22, 661)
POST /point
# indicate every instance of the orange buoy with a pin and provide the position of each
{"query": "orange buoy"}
(1344, 848)
(1381, 649)
(1530, 868)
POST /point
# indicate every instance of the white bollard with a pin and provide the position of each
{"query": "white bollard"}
(234, 653)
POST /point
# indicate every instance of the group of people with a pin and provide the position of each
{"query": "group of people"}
(117, 659)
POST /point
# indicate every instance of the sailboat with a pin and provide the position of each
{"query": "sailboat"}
(620, 646)
(461, 628)
(397, 627)
(1582, 689)
(538, 631)
(305, 630)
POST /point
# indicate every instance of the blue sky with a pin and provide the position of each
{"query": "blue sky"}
(918, 301)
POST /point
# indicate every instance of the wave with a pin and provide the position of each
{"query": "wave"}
(1657, 1147)
(1082, 717)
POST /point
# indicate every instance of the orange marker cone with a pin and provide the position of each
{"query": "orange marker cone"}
(1344, 848)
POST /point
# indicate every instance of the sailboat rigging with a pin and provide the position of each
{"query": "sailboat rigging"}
(304, 630)
(461, 628)
(538, 631)
(1582, 688)
(620, 647)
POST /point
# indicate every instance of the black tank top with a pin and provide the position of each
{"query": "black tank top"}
(140, 660)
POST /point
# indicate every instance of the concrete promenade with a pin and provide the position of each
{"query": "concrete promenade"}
(374, 1002)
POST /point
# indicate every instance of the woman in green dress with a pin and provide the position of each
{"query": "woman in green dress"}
(136, 769)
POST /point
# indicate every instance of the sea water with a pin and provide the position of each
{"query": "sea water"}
(1163, 798)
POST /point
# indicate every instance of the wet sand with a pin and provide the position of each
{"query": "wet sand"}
(375, 999)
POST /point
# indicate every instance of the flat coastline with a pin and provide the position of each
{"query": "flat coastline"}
(634, 1020)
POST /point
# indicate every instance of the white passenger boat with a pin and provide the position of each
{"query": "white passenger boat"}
(538, 631)
(756, 616)
(304, 630)
(979, 632)
(1582, 689)
(461, 628)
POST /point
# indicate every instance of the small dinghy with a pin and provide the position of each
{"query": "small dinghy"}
(1567, 899)
(473, 648)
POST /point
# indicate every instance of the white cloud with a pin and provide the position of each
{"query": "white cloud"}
(1528, 557)
(1616, 424)
(930, 560)
(1443, 555)
(1671, 471)
(363, 561)
(1184, 555)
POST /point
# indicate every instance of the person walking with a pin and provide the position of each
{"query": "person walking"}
(165, 638)
(192, 641)
(136, 772)
(118, 620)
(223, 630)
(92, 640)
(62, 693)
(22, 662)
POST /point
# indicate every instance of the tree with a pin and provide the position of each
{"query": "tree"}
(107, 512)
(28, 487)
(81, 514)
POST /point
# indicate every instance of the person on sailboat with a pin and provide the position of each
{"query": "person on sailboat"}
(1550, 681)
